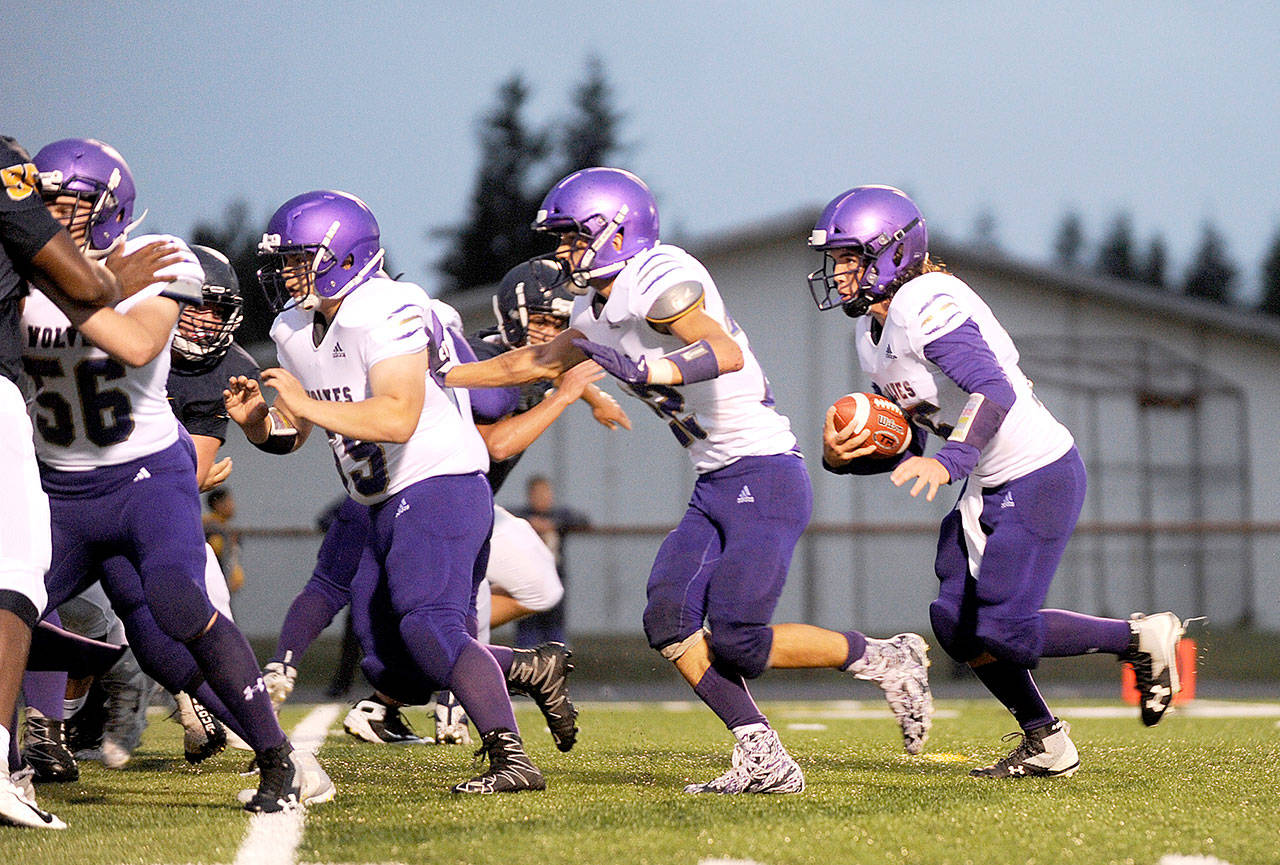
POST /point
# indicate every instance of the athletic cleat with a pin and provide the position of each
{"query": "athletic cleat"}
(44, 748)
(760, 765)
(126, 716)
(543, 674)
(451, 720)
(25, 780)
(279, 678)
(1045, 752)
(84, 729)
(900, 665)
(1153, 652)
(510, 769)
(376, 722)
(314, 785)
(277, 783)
(17, 808)
(202, 734)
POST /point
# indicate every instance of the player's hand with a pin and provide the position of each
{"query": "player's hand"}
(279, 678)
(142, 267)
(607, 412)
(290, 395)
(841, 447)
(439, 351)
(218, 472)
(927, 472)
(573, 383)
(244, 402)
(615, 362)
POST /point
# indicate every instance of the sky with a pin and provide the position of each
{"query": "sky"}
(736, 113)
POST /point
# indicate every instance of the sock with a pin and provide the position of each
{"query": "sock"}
(1067, 634)
(480, 686)
(728, 697)
(741, 733)
(504, 656)
(73, 705)
(231, 670)
(857, 648)
(44, 692)
(309, 614)
(4, 749)
(1016, 690)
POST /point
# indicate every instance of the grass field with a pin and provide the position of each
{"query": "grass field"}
(1205, 782)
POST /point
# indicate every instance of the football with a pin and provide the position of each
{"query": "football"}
(890, 432)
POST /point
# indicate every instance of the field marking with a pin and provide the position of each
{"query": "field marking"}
(273, 839)
(1197, 709)
(1176, 859)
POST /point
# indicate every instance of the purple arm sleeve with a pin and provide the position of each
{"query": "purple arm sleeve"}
(964, 356)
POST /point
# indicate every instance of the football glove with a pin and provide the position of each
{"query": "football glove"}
(279, 678)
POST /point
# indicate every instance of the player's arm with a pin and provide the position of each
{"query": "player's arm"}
(268, 428)
(134, 338)
(71, 279)
(397, 389)
(209, 474)
(514, 433)
(520, 366)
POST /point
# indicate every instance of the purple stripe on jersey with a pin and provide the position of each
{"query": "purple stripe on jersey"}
(660, 259)
(957, 311)
(652, 281)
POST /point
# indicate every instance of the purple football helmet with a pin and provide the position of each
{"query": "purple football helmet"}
(97, 175)
(318, 244)
(597, 204)
(884, 227)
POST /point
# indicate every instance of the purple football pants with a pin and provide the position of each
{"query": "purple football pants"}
(1028, 522)
(727, 561)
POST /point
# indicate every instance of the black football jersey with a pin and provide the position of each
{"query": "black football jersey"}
(196, 397)
(530, 395)
(25, 227)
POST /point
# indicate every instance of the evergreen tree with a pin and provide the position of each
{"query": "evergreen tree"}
(1211, 273)
(1271, 279)
(589, 137)
(497, 234)
(985, 230)
(236, 237)
(1115, 255)
(1069, 242)
(1154, 263)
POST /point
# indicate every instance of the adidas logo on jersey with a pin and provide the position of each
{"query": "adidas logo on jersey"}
(337, 350)
(1007, 501)
(142, 475)
(402, 507)
(744, 495)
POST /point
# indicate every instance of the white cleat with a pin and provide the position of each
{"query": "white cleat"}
(19, 809)
(372, 721)
(315, 787)
(760, 765)
(1153, 652)
(900, 666)
(451, 720)
(1045, 752)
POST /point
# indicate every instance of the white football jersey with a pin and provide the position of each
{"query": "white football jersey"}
(91, 410)
(718, 421)
(923, 310)
(381, 319)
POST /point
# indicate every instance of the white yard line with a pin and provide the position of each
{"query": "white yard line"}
(273, 839)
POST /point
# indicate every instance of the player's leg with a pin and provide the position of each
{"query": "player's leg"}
(24, 558)
(44, 740)
(433, 556)
(167, 546)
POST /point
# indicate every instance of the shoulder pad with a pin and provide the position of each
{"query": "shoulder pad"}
(675, 302)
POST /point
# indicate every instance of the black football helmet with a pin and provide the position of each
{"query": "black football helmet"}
(533, 287)
(205, 332)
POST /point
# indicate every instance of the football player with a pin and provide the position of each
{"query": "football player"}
(531, 306)
(650, 314)
(32, 245)
(929, 342)
(353, 345)
(203, 357)
(120, 477)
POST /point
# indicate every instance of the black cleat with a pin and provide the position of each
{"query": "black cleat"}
(374, 721)
(1045, 752)
(44, 748)
(277, 783)
(510, 769)
(543, 674)
(1153, 652)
